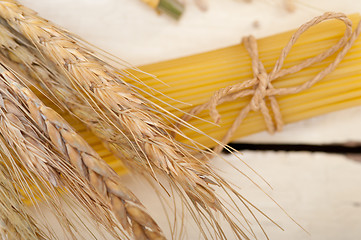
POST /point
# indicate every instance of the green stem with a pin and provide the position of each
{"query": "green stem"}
(171, 7)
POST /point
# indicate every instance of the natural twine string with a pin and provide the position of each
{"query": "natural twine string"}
(260, 87)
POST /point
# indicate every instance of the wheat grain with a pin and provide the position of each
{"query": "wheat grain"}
(290, 5)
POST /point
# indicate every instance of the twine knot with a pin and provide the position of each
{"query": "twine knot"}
(260, 86)
(260, 92)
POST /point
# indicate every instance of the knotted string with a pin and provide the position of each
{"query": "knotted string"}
(260, 87)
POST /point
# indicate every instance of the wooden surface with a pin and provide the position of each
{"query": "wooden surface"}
(321, 191)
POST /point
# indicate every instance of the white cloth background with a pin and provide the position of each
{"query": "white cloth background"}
(321, 191)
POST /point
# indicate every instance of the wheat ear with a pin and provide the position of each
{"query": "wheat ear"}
(136, 134)
(15, 222)
(134, 115)
(124, 204)
(126, 207)
(19, 126)
(38, 72)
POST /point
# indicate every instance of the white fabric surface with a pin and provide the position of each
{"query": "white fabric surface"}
(321, 191)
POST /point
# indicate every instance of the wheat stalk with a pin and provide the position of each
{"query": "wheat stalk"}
(15, 223)
(117, 114)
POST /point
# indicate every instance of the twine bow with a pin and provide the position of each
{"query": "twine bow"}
(260, 87)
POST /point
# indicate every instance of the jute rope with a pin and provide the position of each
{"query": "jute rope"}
(260, 86)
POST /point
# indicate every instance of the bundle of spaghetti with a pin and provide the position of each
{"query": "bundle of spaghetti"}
(15, 222)
(125, 206)
(194, 80)
(129, 124)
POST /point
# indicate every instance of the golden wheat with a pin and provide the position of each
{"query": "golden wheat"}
(124, 204)
(22, 130)
(129, 124)
(24, 59)
(134, 115)
(46, 75)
